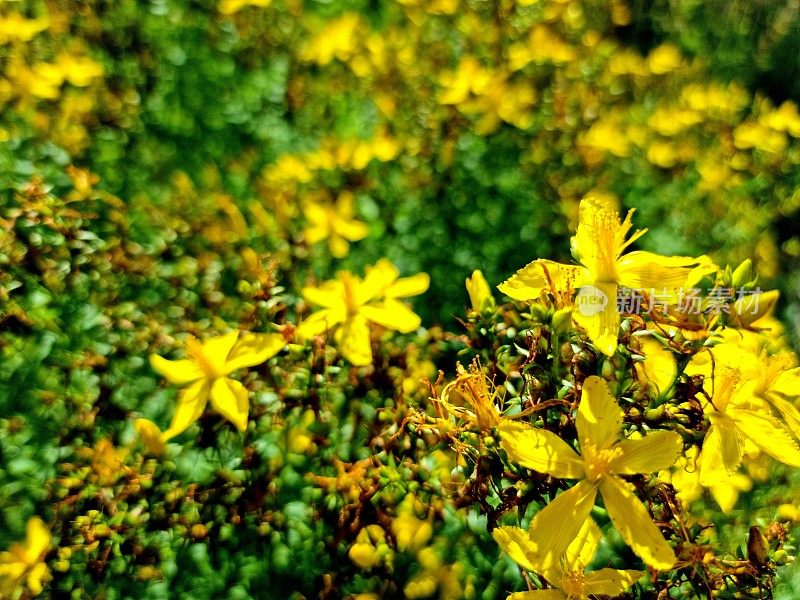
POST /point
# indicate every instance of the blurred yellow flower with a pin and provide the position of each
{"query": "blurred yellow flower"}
(205, 373)
(78, 70)
(604, 458)
(23, 563)
(16, 28)
(411, 533)
(349, 304)
(336, 40)
(229, 7)
(598, 246)
(334, 223)
(663, 59)
(568, 574)
(151, 436)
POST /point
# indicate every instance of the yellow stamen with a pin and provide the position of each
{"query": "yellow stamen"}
(195, 350)
(598, 462)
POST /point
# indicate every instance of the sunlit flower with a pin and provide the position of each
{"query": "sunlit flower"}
(23, 563)
(206, 375)
(229, 7)
(334, 223)
(598, 246)
(568, 574)
(350, 303)
(741, 389)
(602, 460)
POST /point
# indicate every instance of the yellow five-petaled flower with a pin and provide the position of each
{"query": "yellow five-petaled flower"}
(568, 575)
(23, 564)
(205, 373)
(349, 304)
(598, 246)
(602, 460)
(334, 223)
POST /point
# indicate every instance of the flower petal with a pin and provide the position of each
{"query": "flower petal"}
(253, 349)
(768, 434)
(554, 527)
(229, 398)
(599, 417)
(582, 549)
(633, 521)
(178, 372)
(328, 295)
(409, 286)
(538, 595)
(542, 275)
(609, 582)
(150, 435)
(352, 338)
(351, 230)
(37, 539)
(656, 451)
(659, 368)
(392, 314)
(602, 326)
(516, 542)
(646, 270)
(721, 452)
(320, 322)
(36, 577)
(191, 404)
(540, 450)
(376, 281)
(217, 349)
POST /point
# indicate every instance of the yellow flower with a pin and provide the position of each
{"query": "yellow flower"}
(14, 27)
(598, 246)
(336, 40)
(685, 478)
(349, 304)
(151, 436)
(658, 369)
(472, 388)
(598, 468)
(568, 575)
(78, 70)
(741, 389)
(411, 533)
(480, 296)
(229, 7)
(334, 223)
(205, 375)
(663, 59)
(23, 564)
